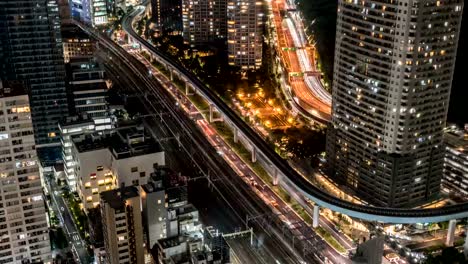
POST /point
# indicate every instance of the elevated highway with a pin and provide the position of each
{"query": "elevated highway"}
(282, 172)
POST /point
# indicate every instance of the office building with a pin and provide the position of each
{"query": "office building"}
(204, 21)
(167, 14)
(393, 71)
(455, 180)
(245, 33)
(77, 44)
(122, 226)
(102, 161)
(31, 52)
(96, 12)
(24, 232)
(88, 88)
(166, 212)
(74, 126)
(91, 12)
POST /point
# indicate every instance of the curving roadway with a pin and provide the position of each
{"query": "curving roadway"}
(289, 177)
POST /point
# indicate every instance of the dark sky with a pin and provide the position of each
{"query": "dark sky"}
(458, 110)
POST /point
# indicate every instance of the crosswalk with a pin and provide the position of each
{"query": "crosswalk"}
(75, 237)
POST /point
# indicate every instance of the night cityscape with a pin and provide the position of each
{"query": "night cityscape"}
(233, 131)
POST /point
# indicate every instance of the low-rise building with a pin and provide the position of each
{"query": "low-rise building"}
(161, 203)
(78, 126)
(455, 179)
(88, 87)
(125, 157)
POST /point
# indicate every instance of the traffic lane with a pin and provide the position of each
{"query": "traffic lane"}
(225, 148)
(269, 195)
(78, 250)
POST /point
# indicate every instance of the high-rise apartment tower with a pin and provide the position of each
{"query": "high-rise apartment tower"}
(245, 28)
(204, 21)
(24, 230)
(394, 62)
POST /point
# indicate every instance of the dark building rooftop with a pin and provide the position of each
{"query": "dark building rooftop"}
(73, 33)
(11, 88)
(116, 198)
(123, 142)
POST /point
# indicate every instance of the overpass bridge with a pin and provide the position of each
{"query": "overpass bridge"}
(281, 171)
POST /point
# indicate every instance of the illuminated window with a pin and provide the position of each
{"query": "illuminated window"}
(89, 198)
(87, 184)
(95, 190)
(121, 238)
(51, 134)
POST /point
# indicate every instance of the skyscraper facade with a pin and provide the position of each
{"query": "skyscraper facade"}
(203, 21)
(31, 51)
(122, 226)
(245, 26)
(167, 14)
(394, 61)
(24, 230)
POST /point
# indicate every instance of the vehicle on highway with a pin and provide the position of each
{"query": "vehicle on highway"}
(273, 202)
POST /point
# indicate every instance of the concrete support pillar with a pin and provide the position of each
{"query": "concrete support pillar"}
(315, 217)
(236, 135)
(187, 88)
(211, 114)
(254, 154)
(275, 177)
(451, 233)
(171, 73)
(251, 237)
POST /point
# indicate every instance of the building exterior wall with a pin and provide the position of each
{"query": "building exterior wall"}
(78, 48)
(203, 21)
(123, 232)
(167, 14)
(24, 230)
(92, 12)
(245, 27)
(137, 169)
(392, 78)
(67, 130)
(94, 176)
(31, 49)
(89, 88)
(455, 180)
(155, 211)
(456, 171)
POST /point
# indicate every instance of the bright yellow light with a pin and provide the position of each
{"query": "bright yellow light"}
(290, 120)
(270, 102)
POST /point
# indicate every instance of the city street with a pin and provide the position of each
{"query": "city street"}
(77, 244)
(299, 61)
